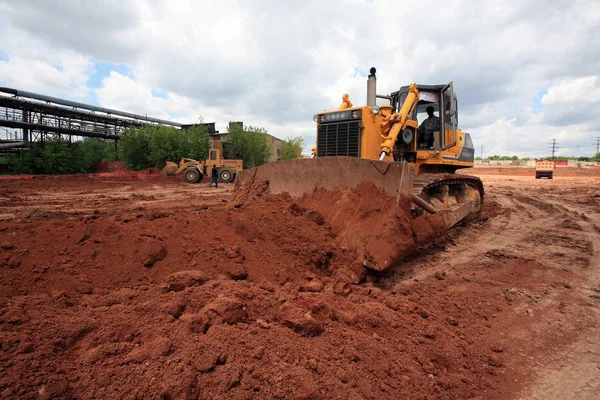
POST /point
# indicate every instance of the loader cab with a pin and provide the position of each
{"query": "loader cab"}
(214, 157)
(444, 102)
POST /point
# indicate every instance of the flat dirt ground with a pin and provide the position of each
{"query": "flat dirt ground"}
(159, 289)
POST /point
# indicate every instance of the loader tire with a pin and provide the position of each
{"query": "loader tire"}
(225, 175)
(192, 175)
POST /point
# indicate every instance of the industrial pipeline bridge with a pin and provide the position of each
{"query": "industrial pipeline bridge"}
(27, 117)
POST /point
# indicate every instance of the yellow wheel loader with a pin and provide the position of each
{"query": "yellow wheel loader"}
(193, 170)
(402, 147)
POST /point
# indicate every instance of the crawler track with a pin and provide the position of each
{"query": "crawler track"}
(426, 182)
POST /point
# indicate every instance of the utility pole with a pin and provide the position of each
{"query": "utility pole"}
(481, 154)
(597, 145)
(553, 146)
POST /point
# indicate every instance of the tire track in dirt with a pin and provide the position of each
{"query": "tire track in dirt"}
(568, 221)
(560, 231)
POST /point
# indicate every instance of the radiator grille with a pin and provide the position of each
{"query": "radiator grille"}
(339, 139)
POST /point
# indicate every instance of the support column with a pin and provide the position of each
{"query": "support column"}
(25, 117)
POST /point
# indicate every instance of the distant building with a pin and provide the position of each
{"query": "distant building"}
(276, 148)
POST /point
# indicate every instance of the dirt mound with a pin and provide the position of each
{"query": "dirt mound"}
(264, 242)
(375, 226)
(258, 236)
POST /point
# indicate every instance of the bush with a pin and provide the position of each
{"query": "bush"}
(250, 144)
(292, 148)
(503, 158)
(54, 156)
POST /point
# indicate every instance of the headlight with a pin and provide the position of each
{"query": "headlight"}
(315, 117)
(375, 109)
(407, 136)
(338, 116)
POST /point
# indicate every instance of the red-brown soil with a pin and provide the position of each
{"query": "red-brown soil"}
(129, 289)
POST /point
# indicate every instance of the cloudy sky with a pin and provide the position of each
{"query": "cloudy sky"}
(525, 71)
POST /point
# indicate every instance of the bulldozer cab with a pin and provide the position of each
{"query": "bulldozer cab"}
(444, 103)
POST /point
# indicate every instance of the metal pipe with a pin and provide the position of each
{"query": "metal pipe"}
(424, 204)
(18, 103)
(56, 129)
(372, 88)
(76, 104)
(12, 145)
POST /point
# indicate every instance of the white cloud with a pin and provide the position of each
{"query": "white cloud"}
(35, 67)
(570, 116)
(573, 101)
(275, 64)
(66, 76)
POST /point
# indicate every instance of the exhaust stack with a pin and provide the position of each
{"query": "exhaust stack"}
(372, 88)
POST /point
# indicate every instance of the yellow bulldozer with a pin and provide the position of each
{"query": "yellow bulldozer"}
(392, 145)
(194, 170)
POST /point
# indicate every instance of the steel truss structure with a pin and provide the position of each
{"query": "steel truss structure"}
(27, 117)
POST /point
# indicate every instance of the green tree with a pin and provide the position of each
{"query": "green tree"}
(134, 147)
(196, 143)
(503, 158)
(99, 150)
(54, 156)
(152, 145)
(292, 148)
(250, 144)
(596, 157)
(171, 144)
(164, 145)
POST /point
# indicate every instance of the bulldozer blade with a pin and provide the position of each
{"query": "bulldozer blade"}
(303, 176)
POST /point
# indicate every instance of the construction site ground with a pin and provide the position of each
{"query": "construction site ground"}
(123, 288)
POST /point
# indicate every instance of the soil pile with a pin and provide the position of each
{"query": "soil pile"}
(377, 227)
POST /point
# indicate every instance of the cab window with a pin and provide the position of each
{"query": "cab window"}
(213, 155)
(420, 113)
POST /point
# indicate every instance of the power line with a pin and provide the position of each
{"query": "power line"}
(553, 146)
(597, 145)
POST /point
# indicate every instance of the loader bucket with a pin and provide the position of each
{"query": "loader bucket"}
(365, 202)
(169, 168)
(303, 176)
